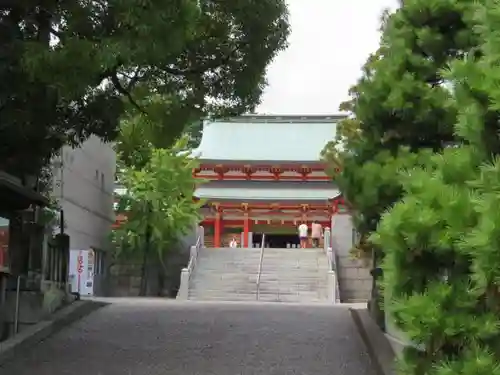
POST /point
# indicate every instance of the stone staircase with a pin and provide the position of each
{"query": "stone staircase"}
(294, 275)
(288, 275)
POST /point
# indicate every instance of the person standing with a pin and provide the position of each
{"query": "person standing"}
(303, 229)
(233, 244)
(316, 233)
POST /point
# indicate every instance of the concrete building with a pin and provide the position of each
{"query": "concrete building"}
(33, 282)
(84, 180)
(15, 196)
(84, 186)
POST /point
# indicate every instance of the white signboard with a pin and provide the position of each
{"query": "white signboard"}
(81, 272)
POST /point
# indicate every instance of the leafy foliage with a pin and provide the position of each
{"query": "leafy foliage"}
(400, 106)
(67, 67)
(159, 199)
(441, 240)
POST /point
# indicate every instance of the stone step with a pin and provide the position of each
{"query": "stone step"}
(216, 294)
(251, 270)
(262, 297)
(264, 284)
(257, 256)
(296, 281)
(278, 291)
(280, 272)
(281, 289)
(223, 298)
(356, 300)
(268, 266)
(267, 263)
(223, 292)
(269, 276)
(294, 270)
(305, 294)
(292, 288)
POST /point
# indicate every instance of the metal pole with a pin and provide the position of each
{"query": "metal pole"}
(60, 165)
(16, 317)
(144, 272)
(3, 289)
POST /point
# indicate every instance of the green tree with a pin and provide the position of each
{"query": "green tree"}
(159, 205)
(400, 106)
(402, 109)
(194, 131)
(66, 67)
(442, 263)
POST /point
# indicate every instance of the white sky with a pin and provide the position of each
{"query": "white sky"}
(330, 41)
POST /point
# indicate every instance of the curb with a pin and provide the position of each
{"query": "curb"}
(377, 345)
(42, 330)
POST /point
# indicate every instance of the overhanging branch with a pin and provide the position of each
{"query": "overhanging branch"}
(119, 87)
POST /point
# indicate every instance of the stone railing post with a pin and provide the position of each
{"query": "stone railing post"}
(183, 292)
(192, 252)
(332, 276)
(329, 254)
(327, 238)
(201, 235)
(332, 297)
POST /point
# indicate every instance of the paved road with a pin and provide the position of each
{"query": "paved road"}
(157, 337)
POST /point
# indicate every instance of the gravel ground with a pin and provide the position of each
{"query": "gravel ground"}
(158, 337)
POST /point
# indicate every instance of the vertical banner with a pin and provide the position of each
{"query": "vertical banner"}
(79, 269)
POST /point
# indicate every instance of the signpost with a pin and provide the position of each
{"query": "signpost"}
(82, 267)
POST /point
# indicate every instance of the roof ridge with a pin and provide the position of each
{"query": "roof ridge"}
(261, 118)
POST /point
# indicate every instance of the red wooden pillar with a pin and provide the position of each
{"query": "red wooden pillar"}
(246, 229)
(217, 229)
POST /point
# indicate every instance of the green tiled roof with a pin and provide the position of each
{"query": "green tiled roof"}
(267, 138)
(272, 191)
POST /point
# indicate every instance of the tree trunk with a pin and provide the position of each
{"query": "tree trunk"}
(144, 275)
(161, 282)
(144, 271)
(376, 301)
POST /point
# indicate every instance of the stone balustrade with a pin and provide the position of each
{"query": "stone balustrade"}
(183, 293)
(333, 286)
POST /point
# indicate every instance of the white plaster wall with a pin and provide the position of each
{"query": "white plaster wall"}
(85, 189)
